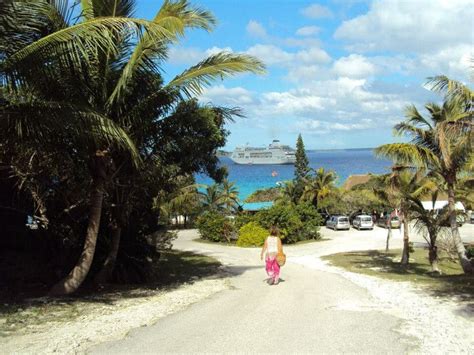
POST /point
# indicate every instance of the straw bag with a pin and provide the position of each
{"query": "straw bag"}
(281, 258)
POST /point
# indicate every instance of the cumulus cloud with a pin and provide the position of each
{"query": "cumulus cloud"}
(316, 11)
(273, 55)
(308, 31)
(354, 66)
(256, 29)
(191, 55)
(415, 26)
(221, 95)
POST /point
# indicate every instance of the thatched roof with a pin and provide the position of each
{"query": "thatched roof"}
(354, 180)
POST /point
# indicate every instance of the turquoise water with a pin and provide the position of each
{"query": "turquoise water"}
(249, 178)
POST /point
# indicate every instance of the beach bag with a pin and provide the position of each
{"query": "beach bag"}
(281, 258)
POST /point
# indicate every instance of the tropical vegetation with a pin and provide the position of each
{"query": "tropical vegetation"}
(442, 144)
(91, 133)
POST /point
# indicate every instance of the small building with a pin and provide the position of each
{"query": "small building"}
(428, 205)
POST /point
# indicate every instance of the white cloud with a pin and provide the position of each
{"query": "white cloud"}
(182, 55)
(308, 30)
(191, 55)
(313, 55)
(270, 54)
(273, 55)
(215, 50)
(415, 26)
(220, 95)
(354, 66)
(256, 29)
(316, 11)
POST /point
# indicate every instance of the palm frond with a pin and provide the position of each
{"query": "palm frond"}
(224, 64)
(407, 153)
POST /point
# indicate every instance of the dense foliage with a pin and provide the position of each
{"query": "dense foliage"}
(91, 134)
(215, 227)
(252, 235)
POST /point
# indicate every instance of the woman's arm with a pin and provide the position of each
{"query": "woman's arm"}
(280, 246)
(263, 249)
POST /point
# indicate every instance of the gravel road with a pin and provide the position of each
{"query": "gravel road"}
(314, 310)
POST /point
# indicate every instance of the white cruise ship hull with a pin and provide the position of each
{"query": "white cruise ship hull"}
(261, 161)
(275, 153)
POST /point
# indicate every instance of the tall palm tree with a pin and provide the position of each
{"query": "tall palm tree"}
(318, 186)
(97, 79)
(441, 143)
(230, 196)
(406, 186)
(430, 224)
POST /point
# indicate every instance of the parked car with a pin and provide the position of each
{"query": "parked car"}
(394, 222)
(338, 222)
(363, 222)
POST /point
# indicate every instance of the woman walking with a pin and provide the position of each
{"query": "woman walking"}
(272, 247)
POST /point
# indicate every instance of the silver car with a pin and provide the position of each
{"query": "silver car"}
(363, 222)
(338, 223)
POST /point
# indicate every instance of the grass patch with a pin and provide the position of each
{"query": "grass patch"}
(172, 270)
(452, 281)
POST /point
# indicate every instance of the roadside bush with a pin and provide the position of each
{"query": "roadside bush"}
(251, 234)
(215, 227)
(311, 220)
(285, 218)
(242, 219)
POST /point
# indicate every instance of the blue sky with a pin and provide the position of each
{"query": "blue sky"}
(340, 72)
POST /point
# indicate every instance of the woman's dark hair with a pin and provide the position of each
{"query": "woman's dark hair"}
(274, 231)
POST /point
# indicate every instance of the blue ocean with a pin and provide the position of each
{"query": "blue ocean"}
(249, 178)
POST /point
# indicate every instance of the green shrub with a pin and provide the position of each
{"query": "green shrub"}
(215, 227)
(285, 218)
(252, 234)
(242, 219)
(311, 221)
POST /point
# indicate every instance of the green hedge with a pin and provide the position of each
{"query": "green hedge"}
(215, 227)
(252, 234)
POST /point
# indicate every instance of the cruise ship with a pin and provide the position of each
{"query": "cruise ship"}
(275, 153)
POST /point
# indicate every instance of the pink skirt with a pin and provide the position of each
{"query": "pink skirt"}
(272, 268)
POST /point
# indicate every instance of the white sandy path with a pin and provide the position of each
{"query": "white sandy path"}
(441, 325)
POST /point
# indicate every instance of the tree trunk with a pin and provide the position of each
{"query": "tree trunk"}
(389, 235)
(105, 273)
(433, 258)
(466, 264)
(406, 240)
(75, 278)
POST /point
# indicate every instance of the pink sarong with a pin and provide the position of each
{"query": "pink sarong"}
(272, 268)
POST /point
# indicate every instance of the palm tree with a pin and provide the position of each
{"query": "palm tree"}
(441, 143)
(289, 193)
(82, 79)
(319, 186)
(212, 199)
(382, 189)
(230, 196)
(407, 185)
(430, 224)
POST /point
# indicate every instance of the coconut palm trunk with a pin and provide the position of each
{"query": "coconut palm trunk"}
(466, 264)
(108, 267)
(389, 235)
(433, 258)
(78, 274)
(406, 243)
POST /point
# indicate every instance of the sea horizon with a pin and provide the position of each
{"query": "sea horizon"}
(345, 162)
